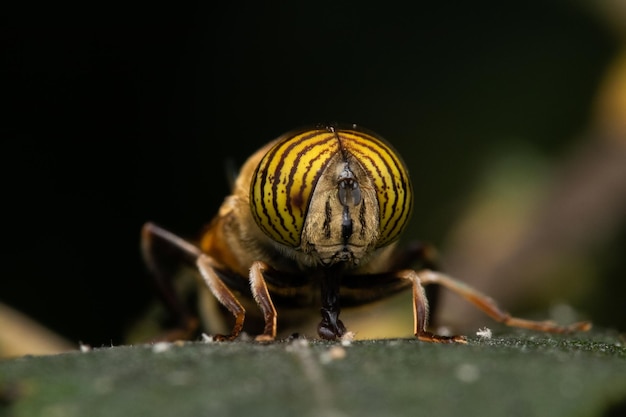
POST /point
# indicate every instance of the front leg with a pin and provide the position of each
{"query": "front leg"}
(420, 255)
(206, 265)
(420, 311)
(262, 297)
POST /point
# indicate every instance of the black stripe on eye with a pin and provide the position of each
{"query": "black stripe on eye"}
(328, 213)
(362, 220)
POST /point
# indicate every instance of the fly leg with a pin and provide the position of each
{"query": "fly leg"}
(262, 297)
(419, 255)
(420, 311)
(150, 235)
(489, 306)
(206, 265)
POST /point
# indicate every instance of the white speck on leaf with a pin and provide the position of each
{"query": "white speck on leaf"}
(347, 338)
(161, 347)
(484, 333)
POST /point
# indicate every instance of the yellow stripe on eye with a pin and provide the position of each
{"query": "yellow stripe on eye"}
(285, 180)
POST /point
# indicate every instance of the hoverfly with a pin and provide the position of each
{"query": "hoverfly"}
(313, 221)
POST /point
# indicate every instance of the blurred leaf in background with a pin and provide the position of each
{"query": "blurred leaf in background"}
(541, 230)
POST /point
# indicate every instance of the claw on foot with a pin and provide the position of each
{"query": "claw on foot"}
(264, 338)
(435, 338)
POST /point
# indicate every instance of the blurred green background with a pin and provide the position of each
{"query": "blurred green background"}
(494, 106)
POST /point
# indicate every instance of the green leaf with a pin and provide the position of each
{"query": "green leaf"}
(518, 375)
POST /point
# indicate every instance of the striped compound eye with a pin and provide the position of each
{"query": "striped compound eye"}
(285, 181)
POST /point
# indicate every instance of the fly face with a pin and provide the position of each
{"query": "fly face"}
(343, 216)
(331, 195)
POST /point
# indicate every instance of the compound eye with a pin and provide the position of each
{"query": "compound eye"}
(389, 176)
(282, 186)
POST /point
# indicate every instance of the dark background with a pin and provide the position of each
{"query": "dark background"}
(127, 113)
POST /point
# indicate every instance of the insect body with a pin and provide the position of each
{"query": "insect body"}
(313, 221)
